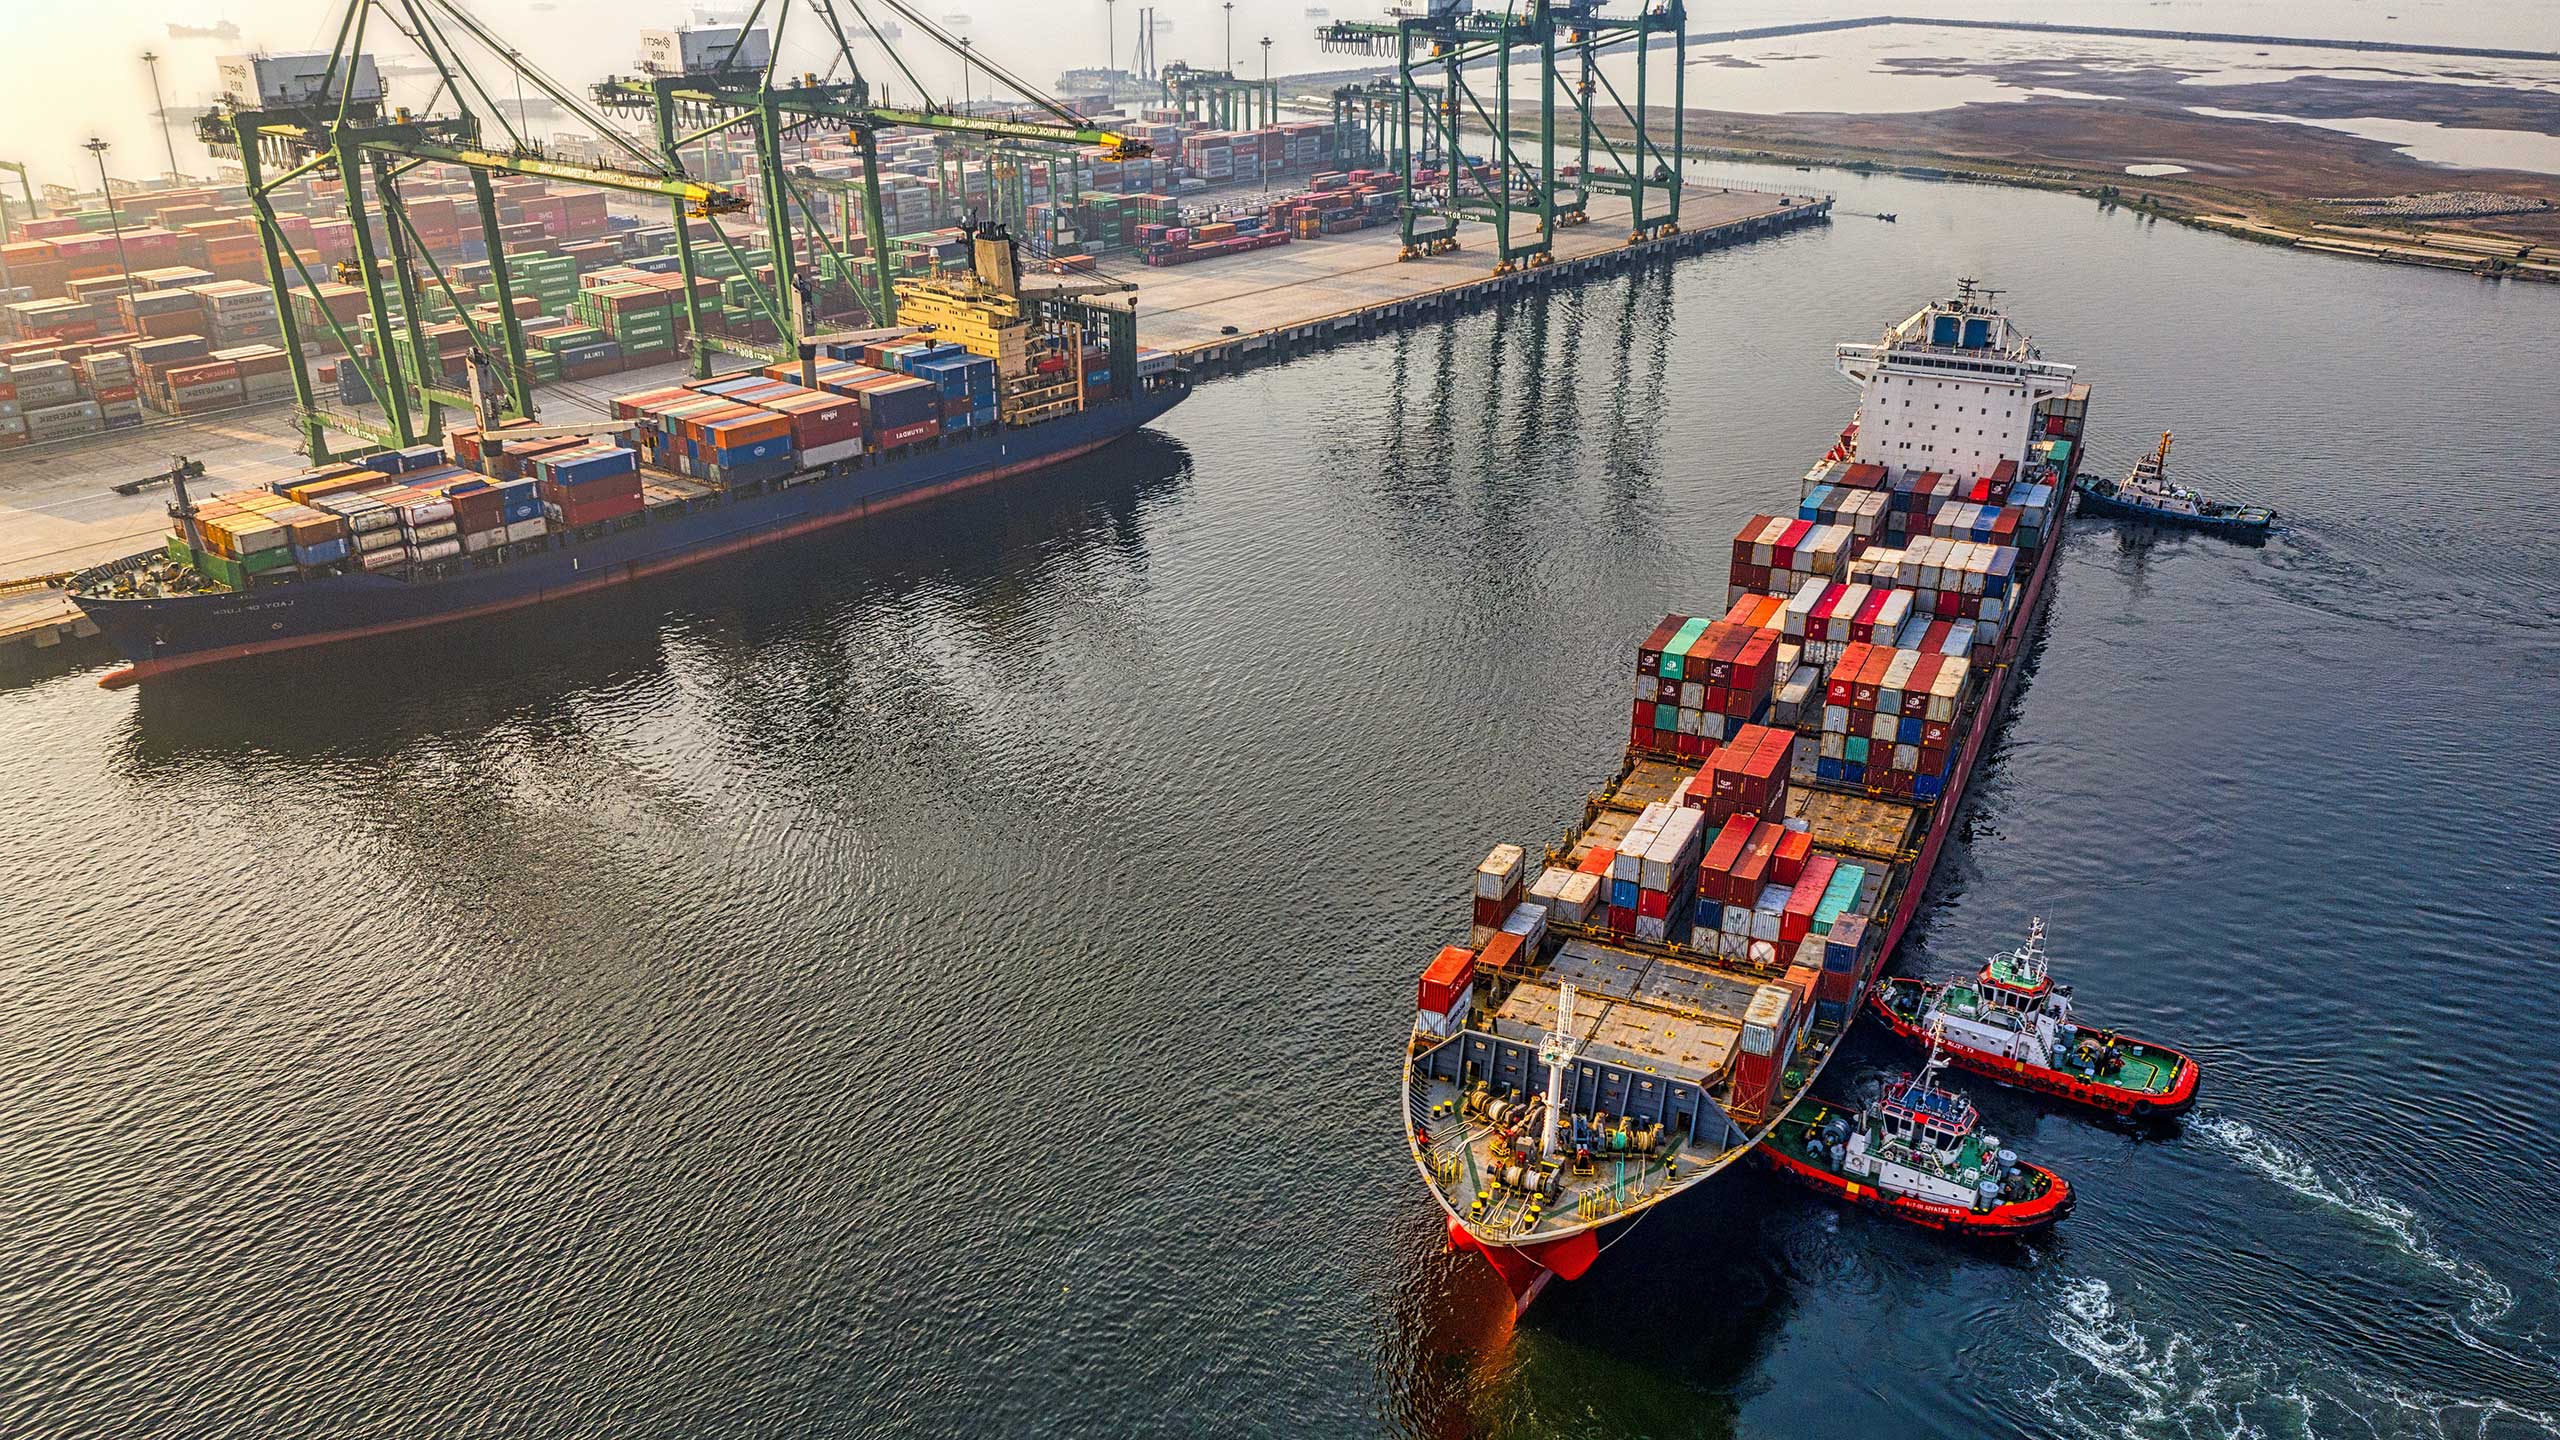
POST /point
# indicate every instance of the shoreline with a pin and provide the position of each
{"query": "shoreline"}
(2481, 251)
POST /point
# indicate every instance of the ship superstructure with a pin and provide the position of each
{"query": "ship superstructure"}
(1641, 1004)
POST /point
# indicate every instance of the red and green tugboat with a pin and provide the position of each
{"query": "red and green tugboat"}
(2013, 1024)
(1920, 1153)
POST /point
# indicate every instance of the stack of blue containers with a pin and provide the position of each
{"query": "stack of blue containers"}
(967, 384)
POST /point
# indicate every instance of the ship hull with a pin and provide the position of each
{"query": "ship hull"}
(2116, 1100)
(168, 635)
(1522, 1267)
(2248, 525)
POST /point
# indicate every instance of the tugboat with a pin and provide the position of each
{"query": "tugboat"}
(1920, 1153)
(2149, 494)
(2013, 1024)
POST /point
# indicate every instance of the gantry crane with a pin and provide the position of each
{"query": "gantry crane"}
(692, 107)
(25, 188)
(1434, 51)
(353, 136)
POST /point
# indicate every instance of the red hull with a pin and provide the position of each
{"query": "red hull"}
(1526, 1269)
(2023, 1217)
(2096, 1094)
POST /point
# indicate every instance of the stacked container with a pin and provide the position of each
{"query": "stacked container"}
(1696, 681)
(1746, 876)
(1747, 775)
(590, 485)
(1953, 579)
(1500, 882)
(1888, 720)
(1778, 556)
(1653, 877)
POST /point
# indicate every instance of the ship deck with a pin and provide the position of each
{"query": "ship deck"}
(1647, 1014)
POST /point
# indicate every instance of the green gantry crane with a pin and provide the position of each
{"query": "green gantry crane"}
(1433, 92)
(338, 131)
(1220, 99)
(34, 212)
(688, 108)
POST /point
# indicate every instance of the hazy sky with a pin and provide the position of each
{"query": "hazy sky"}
(70, 68)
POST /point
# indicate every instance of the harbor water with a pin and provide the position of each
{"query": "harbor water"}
(947, 978)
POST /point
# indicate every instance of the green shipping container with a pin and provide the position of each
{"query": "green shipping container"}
(278, 558)
(224, 571)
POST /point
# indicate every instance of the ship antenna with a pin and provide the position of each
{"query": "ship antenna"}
(1557, 1051)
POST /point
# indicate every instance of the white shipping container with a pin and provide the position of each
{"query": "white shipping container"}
(430, 534)
(1580, 898)
(438, 550)
(533, 529)
(370, 541)
(1501, 872)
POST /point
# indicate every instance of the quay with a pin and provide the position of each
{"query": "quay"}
(59, 512)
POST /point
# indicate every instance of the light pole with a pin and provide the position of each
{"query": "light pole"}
(98, 147)
(168, 137)
(964, 74)
(1110, 36)
(1270, 103)
(1231, 36)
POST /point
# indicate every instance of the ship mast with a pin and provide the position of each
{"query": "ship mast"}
(1556, 1052)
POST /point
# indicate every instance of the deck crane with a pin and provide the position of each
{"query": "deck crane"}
(341, 126)
(1434, 49)
(707, 99)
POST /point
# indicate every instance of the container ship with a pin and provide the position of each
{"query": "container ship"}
(991, 383)
(1648, 1001)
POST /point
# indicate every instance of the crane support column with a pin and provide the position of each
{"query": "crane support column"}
(519, 376)
(1678, 15)
(413, 320)
(701, 349)
(876, 229)
(315, 437)
(788, 308)
(395, 386)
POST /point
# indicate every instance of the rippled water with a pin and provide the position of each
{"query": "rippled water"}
(946, 980)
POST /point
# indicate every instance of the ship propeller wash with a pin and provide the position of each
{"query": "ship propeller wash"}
(1657, 994)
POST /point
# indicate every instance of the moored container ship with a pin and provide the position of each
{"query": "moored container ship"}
(1647, 1003)
(516, 516)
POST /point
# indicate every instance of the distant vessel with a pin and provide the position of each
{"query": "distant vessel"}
(219, 30)
(1920, 1154)
(2149, 494)
(2013, 1024)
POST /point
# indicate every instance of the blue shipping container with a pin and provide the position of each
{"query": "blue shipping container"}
(736, 456)
(327, 552)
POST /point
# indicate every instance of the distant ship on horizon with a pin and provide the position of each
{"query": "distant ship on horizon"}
(219, 30)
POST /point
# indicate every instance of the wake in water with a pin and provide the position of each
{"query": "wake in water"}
(2129, 1375)
(2488, 1299)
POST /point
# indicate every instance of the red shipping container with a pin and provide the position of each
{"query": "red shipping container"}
(1448, 976)
(1794, 848)
(1837, 985)
(1653, 904)
(1641, 737)
(1494, 912)
(577, 509)
(1622, 919)
(1597, 860)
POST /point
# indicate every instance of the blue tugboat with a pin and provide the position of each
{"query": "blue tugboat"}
(2148, 494)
